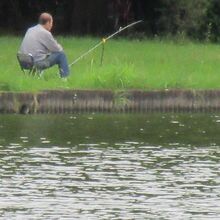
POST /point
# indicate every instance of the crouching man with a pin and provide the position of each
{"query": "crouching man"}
(40, 44)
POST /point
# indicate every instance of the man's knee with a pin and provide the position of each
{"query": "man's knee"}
(62, 55)
(63, 58)
(58, 54)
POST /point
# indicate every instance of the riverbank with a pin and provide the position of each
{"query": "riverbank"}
(133, 101)
(127, 65)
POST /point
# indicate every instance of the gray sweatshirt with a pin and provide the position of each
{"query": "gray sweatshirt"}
(39, 42)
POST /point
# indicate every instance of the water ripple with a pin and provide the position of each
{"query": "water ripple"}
(117, 179)
(129, 182)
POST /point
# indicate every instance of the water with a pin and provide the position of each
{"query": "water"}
(110, 167)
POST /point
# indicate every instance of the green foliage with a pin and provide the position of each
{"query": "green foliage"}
(213, 20)
(182, 17)
(194, 19)
(127, 64)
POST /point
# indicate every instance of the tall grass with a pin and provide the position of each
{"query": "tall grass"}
(128, 64)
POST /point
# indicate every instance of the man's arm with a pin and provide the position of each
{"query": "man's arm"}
(51, 44)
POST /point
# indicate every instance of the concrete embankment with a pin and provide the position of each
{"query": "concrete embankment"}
(59, 102)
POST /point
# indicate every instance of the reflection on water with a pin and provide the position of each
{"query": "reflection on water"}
(110, 167)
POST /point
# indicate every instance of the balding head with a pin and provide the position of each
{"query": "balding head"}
(46, 20)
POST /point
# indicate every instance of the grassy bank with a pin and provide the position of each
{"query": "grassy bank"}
(127, 65)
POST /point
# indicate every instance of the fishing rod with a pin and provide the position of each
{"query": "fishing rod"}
(104, 40)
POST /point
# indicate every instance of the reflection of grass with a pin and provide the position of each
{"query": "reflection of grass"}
(120, 100)
(127, 65)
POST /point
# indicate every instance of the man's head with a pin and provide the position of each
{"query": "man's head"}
(46, 20)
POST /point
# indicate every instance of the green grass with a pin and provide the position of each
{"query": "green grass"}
(148, 65)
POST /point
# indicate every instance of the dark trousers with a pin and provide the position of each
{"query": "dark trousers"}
(57, 58)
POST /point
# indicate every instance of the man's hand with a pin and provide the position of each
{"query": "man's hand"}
(61, 48)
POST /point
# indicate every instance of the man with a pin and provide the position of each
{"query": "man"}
(39, 42)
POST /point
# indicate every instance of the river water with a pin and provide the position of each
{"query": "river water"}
(110, 166)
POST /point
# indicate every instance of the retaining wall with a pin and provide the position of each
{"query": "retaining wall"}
(59, 102)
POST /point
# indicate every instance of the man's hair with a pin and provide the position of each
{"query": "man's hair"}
(44, 18)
